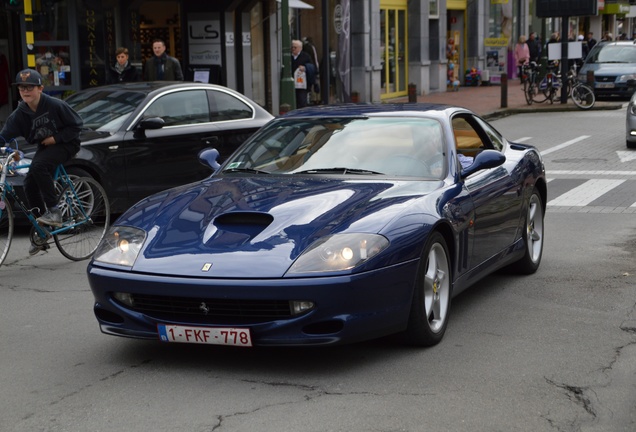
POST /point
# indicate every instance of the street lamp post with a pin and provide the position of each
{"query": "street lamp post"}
(287, 87)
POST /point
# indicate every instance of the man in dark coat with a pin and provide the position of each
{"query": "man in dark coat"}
(161, 66)
(534, 45)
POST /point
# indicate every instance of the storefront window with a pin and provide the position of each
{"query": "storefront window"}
(393, 39)
(433, 9)
(51, 23)
(52, 42)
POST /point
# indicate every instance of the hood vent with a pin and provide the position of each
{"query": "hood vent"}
(237, 228)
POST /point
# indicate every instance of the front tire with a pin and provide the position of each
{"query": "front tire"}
(533, 237)
(81, 241)
(432, 295)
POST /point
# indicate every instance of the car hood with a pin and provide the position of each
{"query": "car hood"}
(610, 68)
(258, 226)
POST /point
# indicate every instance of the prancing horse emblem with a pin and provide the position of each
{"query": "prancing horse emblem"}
(204, 308)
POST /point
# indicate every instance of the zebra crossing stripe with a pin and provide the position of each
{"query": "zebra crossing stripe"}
(586, 193)
(564, 145)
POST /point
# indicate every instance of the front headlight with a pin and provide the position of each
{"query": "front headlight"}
(625, 78)
(120, 246)
(338, 252)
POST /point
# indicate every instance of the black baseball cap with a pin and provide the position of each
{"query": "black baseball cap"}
(28, 77)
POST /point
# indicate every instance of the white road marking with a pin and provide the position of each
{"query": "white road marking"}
(564, 145)
(626, 156)
(592, 172)
(584, 194)
(522, 139)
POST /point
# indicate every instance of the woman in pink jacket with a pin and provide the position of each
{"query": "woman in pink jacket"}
(522, 55)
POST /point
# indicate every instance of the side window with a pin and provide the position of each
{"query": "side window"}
(181, 108)
(224, 106)
(494, 136)
(467, 139)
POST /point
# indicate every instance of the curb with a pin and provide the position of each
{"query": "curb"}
(504, 112)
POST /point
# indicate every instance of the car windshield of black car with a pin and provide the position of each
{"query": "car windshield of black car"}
(105, 110)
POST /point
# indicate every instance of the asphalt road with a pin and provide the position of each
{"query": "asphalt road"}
(555, 351)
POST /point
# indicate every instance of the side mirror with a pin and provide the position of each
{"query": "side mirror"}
(484, 160)
(151, 123)
(148, 124)
(208, 157)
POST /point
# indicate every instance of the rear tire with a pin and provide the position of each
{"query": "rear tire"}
(583, 96)
(430, 306)
(80, 242)
(6, 229)
(528, 91)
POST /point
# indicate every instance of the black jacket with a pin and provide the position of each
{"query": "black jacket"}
(170, 67)
(129, 74)
(54, 117)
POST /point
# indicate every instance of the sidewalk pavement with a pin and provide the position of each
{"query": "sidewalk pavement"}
(486, 101)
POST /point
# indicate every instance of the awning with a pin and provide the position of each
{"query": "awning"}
(298, 4)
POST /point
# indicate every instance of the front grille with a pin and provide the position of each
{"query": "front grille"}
(209, 310)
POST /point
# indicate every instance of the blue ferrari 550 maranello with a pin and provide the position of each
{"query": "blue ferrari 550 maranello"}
(330, 225)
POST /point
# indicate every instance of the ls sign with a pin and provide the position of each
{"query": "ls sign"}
(204, 40)
(204, 32)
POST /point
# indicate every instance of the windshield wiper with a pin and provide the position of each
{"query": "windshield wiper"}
(339, 170)
(244, 170)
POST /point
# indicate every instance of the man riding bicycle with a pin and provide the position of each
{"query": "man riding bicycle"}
(55, 127)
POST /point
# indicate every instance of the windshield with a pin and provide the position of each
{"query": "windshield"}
(104, 110)
(613, 54)
(411, 147)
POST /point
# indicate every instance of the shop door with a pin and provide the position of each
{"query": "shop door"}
(393, 40)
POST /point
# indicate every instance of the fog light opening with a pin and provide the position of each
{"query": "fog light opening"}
(125, 298)
(298, 307)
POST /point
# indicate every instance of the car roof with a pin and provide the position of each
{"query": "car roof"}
(350, 110)
(620, 43)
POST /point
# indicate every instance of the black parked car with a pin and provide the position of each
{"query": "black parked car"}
(142, 138)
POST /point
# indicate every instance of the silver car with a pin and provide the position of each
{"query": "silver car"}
(630, 135)
(613, 64)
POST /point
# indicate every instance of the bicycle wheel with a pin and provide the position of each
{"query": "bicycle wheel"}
(6, 228)
(528, 91)
(582, 96)
(89, 218)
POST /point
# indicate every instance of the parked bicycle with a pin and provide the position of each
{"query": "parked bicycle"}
(530, 77)
(551, 82)
(83, 202)
(548, 87)
(581, 94)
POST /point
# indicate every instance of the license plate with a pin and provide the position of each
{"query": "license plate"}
(205, 335)
(605, 85)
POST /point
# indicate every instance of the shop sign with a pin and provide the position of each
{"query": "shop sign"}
(496, 50)
(496, 42)
(204, 40)
(616, 9)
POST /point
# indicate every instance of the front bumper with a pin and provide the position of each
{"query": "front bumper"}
(347, 308)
